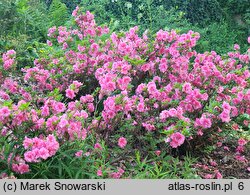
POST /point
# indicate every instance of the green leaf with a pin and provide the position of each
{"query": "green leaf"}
(24, 106)
(134, 61)
(8, 103)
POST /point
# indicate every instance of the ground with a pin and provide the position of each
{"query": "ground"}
(227, 164)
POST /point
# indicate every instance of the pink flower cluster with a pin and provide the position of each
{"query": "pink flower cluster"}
(4, 113)
(99, 172)
(203, 122)
(9, 59)
(122, 142)
(176, 140)
(40, 148)
(241, 145)
(19, 166)
(225, 115)
(79, 153)
(118, 174)
(73, 89)
(216, 175)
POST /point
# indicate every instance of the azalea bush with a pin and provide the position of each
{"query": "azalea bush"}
(94, 98)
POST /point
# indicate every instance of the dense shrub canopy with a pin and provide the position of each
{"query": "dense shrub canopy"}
(126, 91)
(157, 100)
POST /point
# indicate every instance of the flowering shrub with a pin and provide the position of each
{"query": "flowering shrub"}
(40, 148)
(9, 59)
(140, 92)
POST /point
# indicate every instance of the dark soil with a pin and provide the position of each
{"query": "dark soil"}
(226, 162)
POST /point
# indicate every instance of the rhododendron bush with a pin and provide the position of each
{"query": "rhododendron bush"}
(93, 92)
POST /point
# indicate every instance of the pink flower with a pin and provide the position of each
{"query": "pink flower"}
(75, 12)
(110, 86)
(4, 95)
(98, 146)
(172, 112)
(176, 139)
(218, 175)
(151, 87)
(121, 171)
(79, 153)
(242, 142)
(65, 45)
(51, 31)
(59, 107)
(86, 99)
(70, 93)
(125, 68)
(163, 67)
(91, 107)
(196, 104)
(99, 172)
(157, 152)
(8, 63)
(248, 39)
(45, 111)
(240, 158)
(3, 175)
(148, 126)
(11, 53)
(219, 144)
(44, 153)
(4, 133)
(187, 88)
(226, 148)
(23, 168)
(226, 106)
(235, 126)
(126, 80)
(240, 149)
(83, 133)
(27, 143)
(49, 43)
(213, 163)
(29, 156)
(203, 122)
(4, 111)
(15, 167)
(77, 84)
(40, 148)
(118, 174)
(208, 176)
(71, 106)
(236, 47)
(84, 114)
(225, 117)
(140, 107)
(55, 61)
(63, 123)
(164, 114)
(206, 122)
(246, 123)
(200, 132)
(9, 59)
(122, 142)
(140, 88)
(204, 96)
